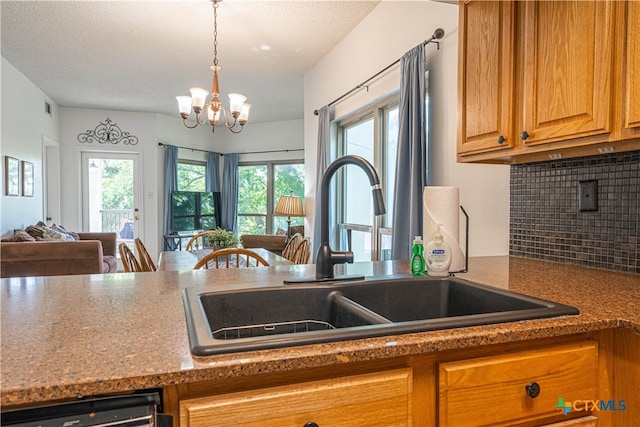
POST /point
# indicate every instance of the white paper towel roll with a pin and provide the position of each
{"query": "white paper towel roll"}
(441, 205)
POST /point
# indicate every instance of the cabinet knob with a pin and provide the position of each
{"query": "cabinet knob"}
(533, 389)
(501, 139)
(311, 424)
(524, 135)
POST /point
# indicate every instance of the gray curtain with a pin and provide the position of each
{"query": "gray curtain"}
(229, 193)
(411, 164)
(212, 183)
(324, 123)
(212, 178)
(170, 184)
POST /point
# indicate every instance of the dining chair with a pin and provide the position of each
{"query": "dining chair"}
(231, 257)
(129, 261)
(291, 246)
(303, 252)
(199, 240)
(146, 262)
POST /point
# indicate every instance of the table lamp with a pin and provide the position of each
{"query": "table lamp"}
(289, 206)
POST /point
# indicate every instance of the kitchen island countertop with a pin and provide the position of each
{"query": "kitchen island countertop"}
(70, 336)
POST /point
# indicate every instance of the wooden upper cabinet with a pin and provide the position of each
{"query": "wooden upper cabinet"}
(485, 76)
(540, 80)
(568, 70)
(631, 71)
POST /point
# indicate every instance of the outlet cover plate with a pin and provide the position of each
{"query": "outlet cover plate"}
(588, 195)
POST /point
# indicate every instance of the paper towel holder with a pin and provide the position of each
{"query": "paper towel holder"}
(465, 269)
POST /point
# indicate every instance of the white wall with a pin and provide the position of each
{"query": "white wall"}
(24, 124)
(391, 29)
(74, 121)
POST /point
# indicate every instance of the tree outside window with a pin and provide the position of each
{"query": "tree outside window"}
(191, 176)
(260, 185)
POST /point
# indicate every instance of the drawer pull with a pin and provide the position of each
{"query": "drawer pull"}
(533, 390)
(310, 424)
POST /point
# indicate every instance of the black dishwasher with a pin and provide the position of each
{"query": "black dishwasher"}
(123, 411)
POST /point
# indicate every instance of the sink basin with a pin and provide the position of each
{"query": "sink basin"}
(234, 321)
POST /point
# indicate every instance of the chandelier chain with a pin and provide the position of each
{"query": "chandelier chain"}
(215, 33)
(213, 110)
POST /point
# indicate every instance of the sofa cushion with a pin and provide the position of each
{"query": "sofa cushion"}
(53, 234)
(109, 264)
(22, 236)
(36, 231)
(63, 230)
(297, 229)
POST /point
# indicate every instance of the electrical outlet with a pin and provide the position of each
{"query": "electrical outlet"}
(588, 195)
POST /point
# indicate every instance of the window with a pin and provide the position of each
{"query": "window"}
(371, 133)
(191, 175)
(260, 185)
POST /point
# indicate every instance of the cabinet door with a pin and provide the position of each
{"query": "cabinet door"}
(516, 388)
(381, 399)
(631, 71)
(568, 70)
(485, 76)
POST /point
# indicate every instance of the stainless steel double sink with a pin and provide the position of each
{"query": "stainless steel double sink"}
(288, 315)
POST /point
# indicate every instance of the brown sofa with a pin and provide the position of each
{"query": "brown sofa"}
(272, 242)
(92, 253)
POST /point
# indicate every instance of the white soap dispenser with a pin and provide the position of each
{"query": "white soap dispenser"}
(437, 255)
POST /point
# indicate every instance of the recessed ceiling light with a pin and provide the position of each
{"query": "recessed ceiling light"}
(262, 48)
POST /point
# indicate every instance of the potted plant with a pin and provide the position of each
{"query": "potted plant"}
(221, 238)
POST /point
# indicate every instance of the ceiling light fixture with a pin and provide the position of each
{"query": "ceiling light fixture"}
(239, 108)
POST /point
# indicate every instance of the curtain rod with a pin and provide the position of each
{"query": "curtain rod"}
(437, 35)
(248, 152)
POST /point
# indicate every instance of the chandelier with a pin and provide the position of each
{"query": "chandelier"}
(237, 105)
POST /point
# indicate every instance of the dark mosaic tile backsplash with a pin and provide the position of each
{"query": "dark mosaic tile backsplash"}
(546, 222)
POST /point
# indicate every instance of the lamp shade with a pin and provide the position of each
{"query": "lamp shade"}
(198, 97)
(289, 206)
(235, 102)
(184, 104)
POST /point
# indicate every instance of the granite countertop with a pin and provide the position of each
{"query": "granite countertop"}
(70, 336)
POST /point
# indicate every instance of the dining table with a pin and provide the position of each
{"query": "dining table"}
(186, 260)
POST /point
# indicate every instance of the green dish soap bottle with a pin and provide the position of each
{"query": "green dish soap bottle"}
(417, 260)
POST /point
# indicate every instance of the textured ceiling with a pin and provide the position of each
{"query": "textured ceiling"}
(138, 55)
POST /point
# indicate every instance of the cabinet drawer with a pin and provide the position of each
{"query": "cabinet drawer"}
(379, 399)
(492, 390)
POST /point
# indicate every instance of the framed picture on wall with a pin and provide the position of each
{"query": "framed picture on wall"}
(11, 176)
(27, 179)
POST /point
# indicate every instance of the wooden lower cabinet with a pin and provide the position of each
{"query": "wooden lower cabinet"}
(589, 421)
(378, 399)
(466, 387)
(517, 388)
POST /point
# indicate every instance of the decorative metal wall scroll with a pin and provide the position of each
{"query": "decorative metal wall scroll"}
(108, 132)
